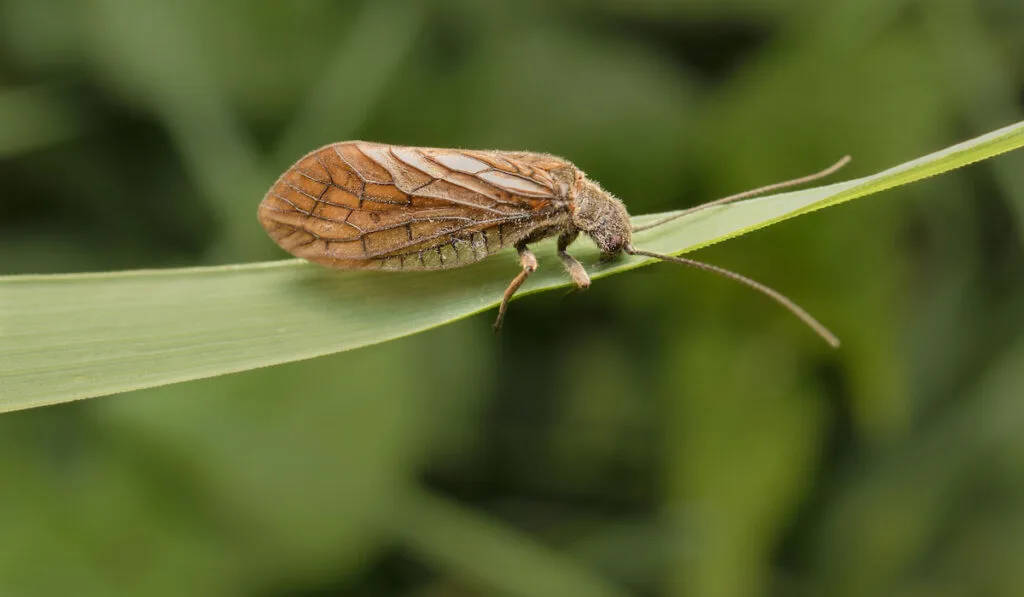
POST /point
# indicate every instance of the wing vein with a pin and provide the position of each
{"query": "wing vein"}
(442, 233)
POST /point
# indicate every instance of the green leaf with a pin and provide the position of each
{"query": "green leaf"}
(490, 554)
(34, 118)
(66, 337)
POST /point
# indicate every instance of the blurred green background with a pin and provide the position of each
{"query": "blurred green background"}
(664, 433)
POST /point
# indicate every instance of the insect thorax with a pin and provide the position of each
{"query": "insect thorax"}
(598, 214)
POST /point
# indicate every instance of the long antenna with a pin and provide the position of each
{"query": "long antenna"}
(795, 309)
(751, 193)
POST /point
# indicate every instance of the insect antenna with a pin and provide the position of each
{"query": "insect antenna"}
(795, 309)
(751, 193)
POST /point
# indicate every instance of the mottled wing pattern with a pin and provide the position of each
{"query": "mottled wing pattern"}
(368, 205)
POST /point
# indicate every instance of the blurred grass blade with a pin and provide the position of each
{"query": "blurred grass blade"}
(34, 118)
(66, 337)
(504, 562)
(335, 107)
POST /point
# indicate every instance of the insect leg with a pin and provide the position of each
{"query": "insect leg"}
(574, 267)
(529, 263)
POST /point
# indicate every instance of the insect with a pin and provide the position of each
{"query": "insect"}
(361, 205)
